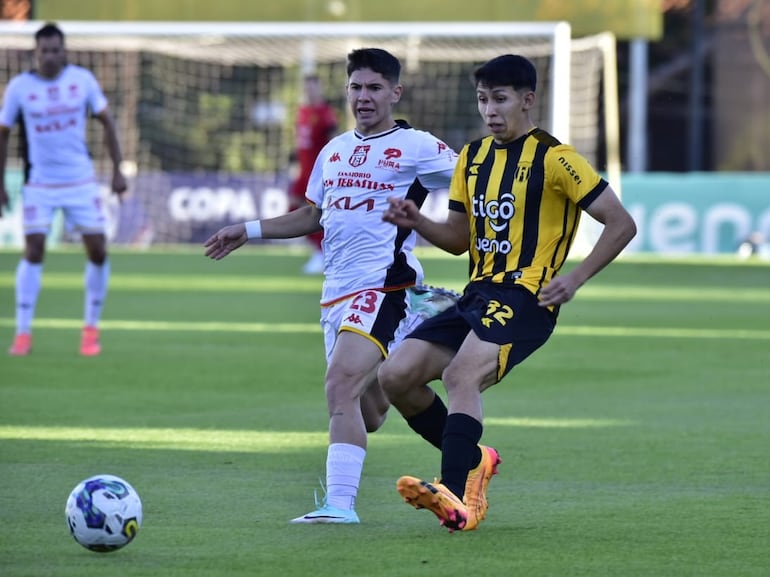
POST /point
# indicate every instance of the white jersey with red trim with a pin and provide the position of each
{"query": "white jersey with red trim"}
(54, 113)
(351, 182)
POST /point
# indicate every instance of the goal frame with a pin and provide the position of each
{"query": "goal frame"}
(560, 34)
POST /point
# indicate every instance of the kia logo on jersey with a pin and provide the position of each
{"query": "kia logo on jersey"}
(359, 155)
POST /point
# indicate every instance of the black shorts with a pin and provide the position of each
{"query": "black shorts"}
(507, 315)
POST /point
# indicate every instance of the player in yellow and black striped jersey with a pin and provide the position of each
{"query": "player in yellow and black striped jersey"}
(519, 233)
(514, 205)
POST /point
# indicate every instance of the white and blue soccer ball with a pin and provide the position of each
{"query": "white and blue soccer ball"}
(104, 513)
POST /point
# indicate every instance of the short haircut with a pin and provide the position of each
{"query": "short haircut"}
(376, 59)
(507, 70)
(49, 30)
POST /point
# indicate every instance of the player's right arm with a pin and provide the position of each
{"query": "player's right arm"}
(4, 199)
(9, 114)
(452, 235)
(300, 222)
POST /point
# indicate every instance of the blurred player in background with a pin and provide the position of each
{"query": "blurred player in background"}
(514, 205)
(52, 105)
(365, 304)
(316, 123)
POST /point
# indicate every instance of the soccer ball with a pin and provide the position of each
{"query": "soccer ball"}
(104, 513)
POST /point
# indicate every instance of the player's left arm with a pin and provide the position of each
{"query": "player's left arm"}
(619, 229)
(119, 184)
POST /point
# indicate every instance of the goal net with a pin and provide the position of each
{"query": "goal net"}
(205, 111)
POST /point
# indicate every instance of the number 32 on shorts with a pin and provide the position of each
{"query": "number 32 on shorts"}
(496, 312)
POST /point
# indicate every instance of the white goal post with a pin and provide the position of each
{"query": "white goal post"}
(219, 97)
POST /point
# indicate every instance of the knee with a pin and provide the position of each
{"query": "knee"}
(337, 392)
(342, 387)
(452, 379)
(394, 378)
(34, 251)
(97, 257)
(96, 248)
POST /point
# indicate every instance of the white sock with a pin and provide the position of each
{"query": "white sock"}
(344, 464)
(96, 280)
(28, 277)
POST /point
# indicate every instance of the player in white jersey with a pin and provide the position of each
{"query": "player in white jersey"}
(368, 266)
(351, 182)
(52, 105)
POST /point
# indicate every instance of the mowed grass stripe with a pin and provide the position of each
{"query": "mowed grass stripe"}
(179, 326)
(251, 441)
(294, 284)
(214, 326)
(177, 282)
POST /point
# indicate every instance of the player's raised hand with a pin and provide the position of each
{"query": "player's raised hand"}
(402, 212)
(225, 241)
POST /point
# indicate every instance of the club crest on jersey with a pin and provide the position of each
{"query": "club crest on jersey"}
(359, 155)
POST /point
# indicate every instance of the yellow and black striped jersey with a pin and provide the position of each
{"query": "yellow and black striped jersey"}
(523, 201)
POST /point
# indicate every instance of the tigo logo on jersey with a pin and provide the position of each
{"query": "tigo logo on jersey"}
(359, 155)
(497, 212)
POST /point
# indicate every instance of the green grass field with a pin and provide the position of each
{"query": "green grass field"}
(635, 443)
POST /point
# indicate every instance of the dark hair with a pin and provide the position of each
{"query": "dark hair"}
(507, 70)
(376, 59)
(48, 31)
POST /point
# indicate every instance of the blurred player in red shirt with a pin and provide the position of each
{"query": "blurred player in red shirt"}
(316, 123)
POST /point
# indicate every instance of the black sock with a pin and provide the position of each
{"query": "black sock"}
(459, 451)
(430, 423)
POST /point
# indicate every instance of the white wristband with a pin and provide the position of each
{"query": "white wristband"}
(253, 229)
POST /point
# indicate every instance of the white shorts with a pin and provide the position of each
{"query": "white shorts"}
(385, 318)
(81, 204)
(381, 317)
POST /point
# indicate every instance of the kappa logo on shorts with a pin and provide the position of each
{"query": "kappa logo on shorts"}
(354, 319)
